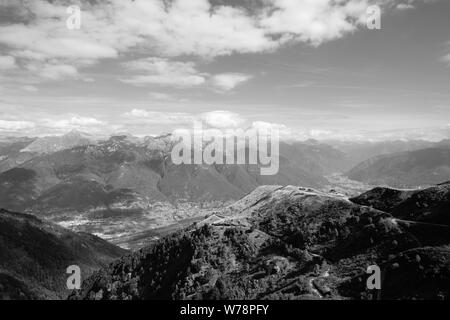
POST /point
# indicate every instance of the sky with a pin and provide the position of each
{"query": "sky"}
(310, 68)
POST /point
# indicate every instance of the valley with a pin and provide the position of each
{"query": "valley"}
(134, 231)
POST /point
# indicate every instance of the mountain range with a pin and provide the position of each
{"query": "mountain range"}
(408, 169)
(61, 177)
(121, 174)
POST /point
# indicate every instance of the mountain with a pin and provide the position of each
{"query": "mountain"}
(55, 143)
(408, 169)
(315, 156)
(431, 205)
(34, 256)
(11, 154)
(359, 151)
(284, 243)
(17, 188)
(84, 177)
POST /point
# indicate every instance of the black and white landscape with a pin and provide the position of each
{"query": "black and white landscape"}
(90, 116)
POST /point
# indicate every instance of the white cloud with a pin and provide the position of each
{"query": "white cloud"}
(7, 62)
(37, 32)
(215, 119)
(446, 59)
(193, 27)
(141, 116)
(30, 88)
(73, 122)
(162, 71)
(162, 96)
(13, 125)
(52, 71)
(222, 119)
(228, 81)
(313, 22)
(80, 121)
(285, 133)
(404, 6)
(165, 72)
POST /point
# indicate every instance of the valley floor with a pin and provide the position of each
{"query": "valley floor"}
(138, 230)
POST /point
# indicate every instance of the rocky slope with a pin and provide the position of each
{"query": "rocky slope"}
(34, 256)
(284, 243)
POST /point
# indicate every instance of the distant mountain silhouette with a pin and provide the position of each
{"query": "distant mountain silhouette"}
(56, 143)
(405, 169)
(34, 256)
(359, 151)
(11, 153)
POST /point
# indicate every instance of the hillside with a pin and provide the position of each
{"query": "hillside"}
(360, 151)
(34, 256)
(430, 205)
(11, 153)
(408, 169)
(282, 243)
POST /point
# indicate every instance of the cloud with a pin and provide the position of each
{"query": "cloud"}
(53, 71)
(162, 71)
(35, 32)
(7, 62)
(72, 122)
(162, 96)
(141, 116)
(404, 6)
(228, 81)
(16, 121)
(42, 32)
(165, 72)
(12, 125)
(213, 119)
(30, 88)
(222, 119)
(193, 27)
(313, 22)
(76, 121)
(408, 4)
(446, 59)
(285, 133)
